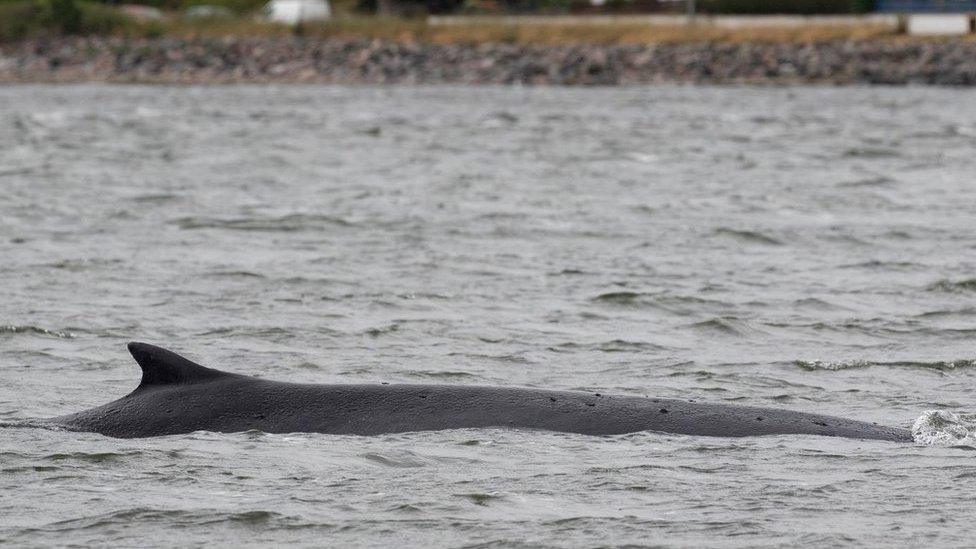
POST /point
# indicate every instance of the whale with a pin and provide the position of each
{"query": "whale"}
(178, 396)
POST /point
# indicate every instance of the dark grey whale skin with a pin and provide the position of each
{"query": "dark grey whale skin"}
(178, 396)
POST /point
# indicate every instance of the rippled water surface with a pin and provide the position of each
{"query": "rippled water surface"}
(812, 249)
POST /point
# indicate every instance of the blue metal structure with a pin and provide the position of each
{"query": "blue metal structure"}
(925, 6)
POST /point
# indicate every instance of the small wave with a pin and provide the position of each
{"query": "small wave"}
(15, 171)
(964, 285)
(503, 116)
(155, 198)
(683, 305)
(400, 461)
(30, 469)
(270, 332)
(845, 239)
(814, 365)
(425, 295)
(509, 358)
(382, 330)
(235, 274)
(35, 330)
(880, 181)
(479, 498)
(624, 346)
(867, 326)
(945, 428)
(815, 304)
(898, 235)
(611, 346)
(426, 374)
(965, 311)
(724, 326)
(167, 516)
(252, 517)
(286, 223)
(570, 272)
(752, 237)
(91, 457)
(871, 152)
(29, 424)
(78, 265)
(876, 264)
(620, 298)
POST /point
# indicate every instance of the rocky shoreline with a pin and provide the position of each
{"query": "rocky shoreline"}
(308, 60)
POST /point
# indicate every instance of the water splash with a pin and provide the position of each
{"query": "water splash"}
(944, 428)
(831, 365)
(834, 365)
(36, 330)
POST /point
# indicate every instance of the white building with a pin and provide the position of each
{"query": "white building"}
(292, 12)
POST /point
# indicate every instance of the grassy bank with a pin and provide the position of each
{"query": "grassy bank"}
(22, 19)
(407, 31)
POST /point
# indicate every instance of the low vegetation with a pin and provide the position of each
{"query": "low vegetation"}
(21, 19)
(799, 7)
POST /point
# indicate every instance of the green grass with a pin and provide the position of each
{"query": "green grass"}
(30, 18)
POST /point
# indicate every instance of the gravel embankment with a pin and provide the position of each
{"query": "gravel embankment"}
(168, 60)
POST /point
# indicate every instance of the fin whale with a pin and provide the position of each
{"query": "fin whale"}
(178, 396)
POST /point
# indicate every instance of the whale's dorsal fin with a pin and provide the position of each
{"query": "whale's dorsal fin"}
(162, 367)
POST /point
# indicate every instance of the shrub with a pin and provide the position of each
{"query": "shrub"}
(17, 19)
(801, 7)
(101, 19)
(24, 18)
(240, 7)
(65, 16)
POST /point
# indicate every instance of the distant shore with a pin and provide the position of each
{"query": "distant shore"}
(280, 59)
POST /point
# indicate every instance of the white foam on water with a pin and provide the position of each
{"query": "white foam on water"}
(944, 428)
(832, 365)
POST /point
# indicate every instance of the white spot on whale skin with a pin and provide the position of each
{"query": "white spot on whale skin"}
(944, 428)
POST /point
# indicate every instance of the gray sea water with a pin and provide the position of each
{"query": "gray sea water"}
(803, 248)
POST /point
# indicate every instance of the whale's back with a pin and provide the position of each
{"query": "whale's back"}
(177, 395)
